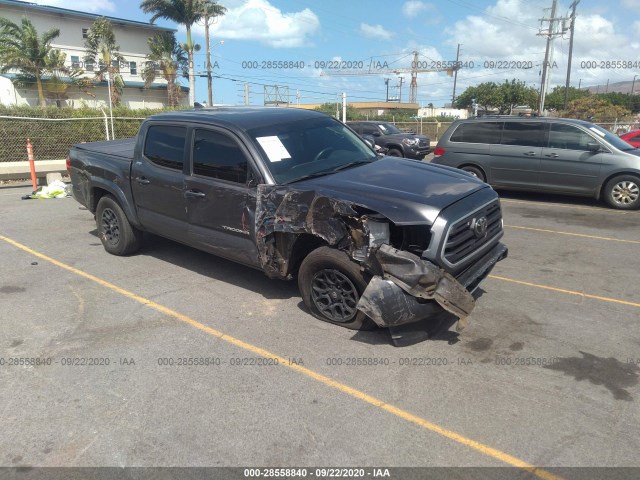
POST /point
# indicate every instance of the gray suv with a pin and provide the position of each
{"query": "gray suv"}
(556, 155)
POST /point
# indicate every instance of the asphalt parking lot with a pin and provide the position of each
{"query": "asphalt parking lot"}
(546, 374)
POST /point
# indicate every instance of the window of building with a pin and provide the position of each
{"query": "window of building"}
(89, 66)
(85, 32)
(133, 68)
(217, 155)
(164, 146)
(75, 61)
(478, 132)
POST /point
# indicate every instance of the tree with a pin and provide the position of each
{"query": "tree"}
(183, 12)
(491, 96)
(555, 99)
(168, 58)
(22, 49)
(595, 109)
(102, 50)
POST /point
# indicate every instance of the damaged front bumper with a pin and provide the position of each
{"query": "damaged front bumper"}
(406, 288)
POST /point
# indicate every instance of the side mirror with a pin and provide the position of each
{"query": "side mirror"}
(593, 147)
(376, 134)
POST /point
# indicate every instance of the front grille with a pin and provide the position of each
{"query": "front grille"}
(463, 241)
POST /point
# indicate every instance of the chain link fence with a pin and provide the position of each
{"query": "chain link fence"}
(52, 137)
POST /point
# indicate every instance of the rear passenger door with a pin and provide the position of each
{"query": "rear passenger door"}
(567, 164)
(220, 196)
(158, 181)
(515, 160)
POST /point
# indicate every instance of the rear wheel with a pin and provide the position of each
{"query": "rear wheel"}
(331, 285)
(475, 171)
(394, 152)
(623, 192)
(117, 235)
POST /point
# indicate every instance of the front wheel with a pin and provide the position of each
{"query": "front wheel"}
(394, 152)
(623, 192)
(331, 285)
(117, 235)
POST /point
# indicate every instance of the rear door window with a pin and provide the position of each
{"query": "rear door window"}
(525, 134)
(164, 146)
(477, 132)
(369, 129)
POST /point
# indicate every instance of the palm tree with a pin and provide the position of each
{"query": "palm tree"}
(184, 12)
(22, 49)
(167, 57)
(102, 50)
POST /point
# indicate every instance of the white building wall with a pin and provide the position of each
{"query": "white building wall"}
(443, 112)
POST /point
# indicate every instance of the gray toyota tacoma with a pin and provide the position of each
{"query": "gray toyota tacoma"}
(371, 240)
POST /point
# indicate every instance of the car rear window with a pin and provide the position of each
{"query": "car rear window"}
(477, 132)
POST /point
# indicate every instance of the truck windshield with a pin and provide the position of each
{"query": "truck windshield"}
(309, 148)
(389, 128)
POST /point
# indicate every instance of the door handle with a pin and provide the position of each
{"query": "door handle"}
(552, 155)
(530, 154)
(142, 181)
(195, 194)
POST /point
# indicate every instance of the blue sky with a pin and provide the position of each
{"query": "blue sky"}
(492, 33)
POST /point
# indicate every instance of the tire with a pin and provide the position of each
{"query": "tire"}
(394, 152)
(475, 171)
(623, 192)
(331, 285)
(117, 235)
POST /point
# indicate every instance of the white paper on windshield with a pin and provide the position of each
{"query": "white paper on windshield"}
(274, 148)
(595, 130)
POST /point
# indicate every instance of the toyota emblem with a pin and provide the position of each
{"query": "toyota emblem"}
(479, 227)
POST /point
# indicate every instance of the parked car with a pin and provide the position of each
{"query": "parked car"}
(296, 193)
(556, 155)
(632, 138)
(400, 144)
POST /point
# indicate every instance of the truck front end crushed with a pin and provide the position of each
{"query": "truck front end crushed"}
(414, 271)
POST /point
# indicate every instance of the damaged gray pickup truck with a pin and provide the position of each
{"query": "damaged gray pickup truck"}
(296, 193)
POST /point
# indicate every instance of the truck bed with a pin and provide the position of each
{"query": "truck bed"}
(122, 148)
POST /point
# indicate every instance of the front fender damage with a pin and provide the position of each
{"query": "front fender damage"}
(405, 286)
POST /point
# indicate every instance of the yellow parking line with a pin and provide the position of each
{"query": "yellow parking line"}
(595, 237)
(398, 412)
(579, 207)
(568, 292)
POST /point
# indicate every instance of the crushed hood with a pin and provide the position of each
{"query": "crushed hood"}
(404, 191)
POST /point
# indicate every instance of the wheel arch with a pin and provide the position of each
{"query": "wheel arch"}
(603, 184)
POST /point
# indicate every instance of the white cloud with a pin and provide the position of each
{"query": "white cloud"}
(261, 21)
(414, 7)
(91, 6)
(375, 31)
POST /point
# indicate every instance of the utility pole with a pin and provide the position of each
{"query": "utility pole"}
(246, 93)
(545, 67)
(400, 79)
(633, 85)
(572, 28)
(344, 107)
(386, 82)
(455, 78)
(606, 89)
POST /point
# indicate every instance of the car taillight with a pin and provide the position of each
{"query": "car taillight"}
(68, 165)
(438, 151)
